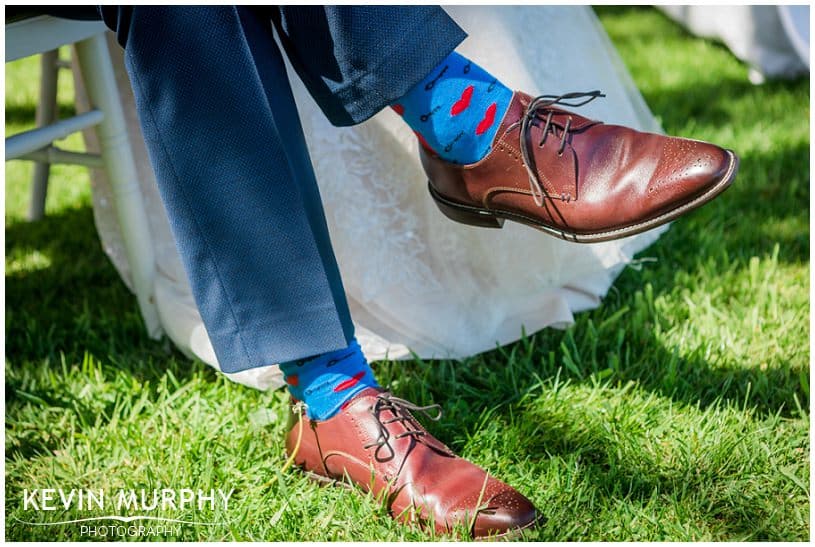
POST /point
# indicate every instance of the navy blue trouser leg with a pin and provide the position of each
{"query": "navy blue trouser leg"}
(228, 151)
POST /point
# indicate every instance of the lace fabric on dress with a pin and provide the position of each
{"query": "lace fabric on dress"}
(416, 281)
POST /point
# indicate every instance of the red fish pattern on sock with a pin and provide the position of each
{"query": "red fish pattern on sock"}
(455, 109)
(325, 383)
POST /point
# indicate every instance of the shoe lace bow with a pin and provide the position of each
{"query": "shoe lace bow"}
(540, 109)
(400, 410)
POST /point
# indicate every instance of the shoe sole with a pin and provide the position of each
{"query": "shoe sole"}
(488, 218)
(508, 535)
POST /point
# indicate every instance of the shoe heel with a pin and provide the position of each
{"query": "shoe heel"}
(465, 215)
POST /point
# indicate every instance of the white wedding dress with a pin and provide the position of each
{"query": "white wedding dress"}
(417, 282)
(772, 40)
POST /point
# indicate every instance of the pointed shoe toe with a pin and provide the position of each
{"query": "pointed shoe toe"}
(506, 515)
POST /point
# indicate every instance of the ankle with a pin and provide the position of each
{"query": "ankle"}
(326, 382)
(456, 110)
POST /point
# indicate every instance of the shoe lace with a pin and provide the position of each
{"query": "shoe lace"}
(539, 108)
(400, 408)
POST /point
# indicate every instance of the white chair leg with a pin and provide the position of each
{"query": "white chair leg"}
(46, 114)
(100, 83)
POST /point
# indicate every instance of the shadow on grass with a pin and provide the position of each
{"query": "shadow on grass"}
(74, 301)
(652, 33)
(710, 104)
(74, 305)
(494, 393)
(25, 114)
(77, 303)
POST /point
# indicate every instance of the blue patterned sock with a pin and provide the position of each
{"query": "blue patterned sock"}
(326, 382)
(456, 110)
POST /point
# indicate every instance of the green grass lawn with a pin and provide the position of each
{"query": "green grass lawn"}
(678, 410)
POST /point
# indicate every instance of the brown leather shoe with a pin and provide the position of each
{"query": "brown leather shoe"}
(576, 178)
(376, 443)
